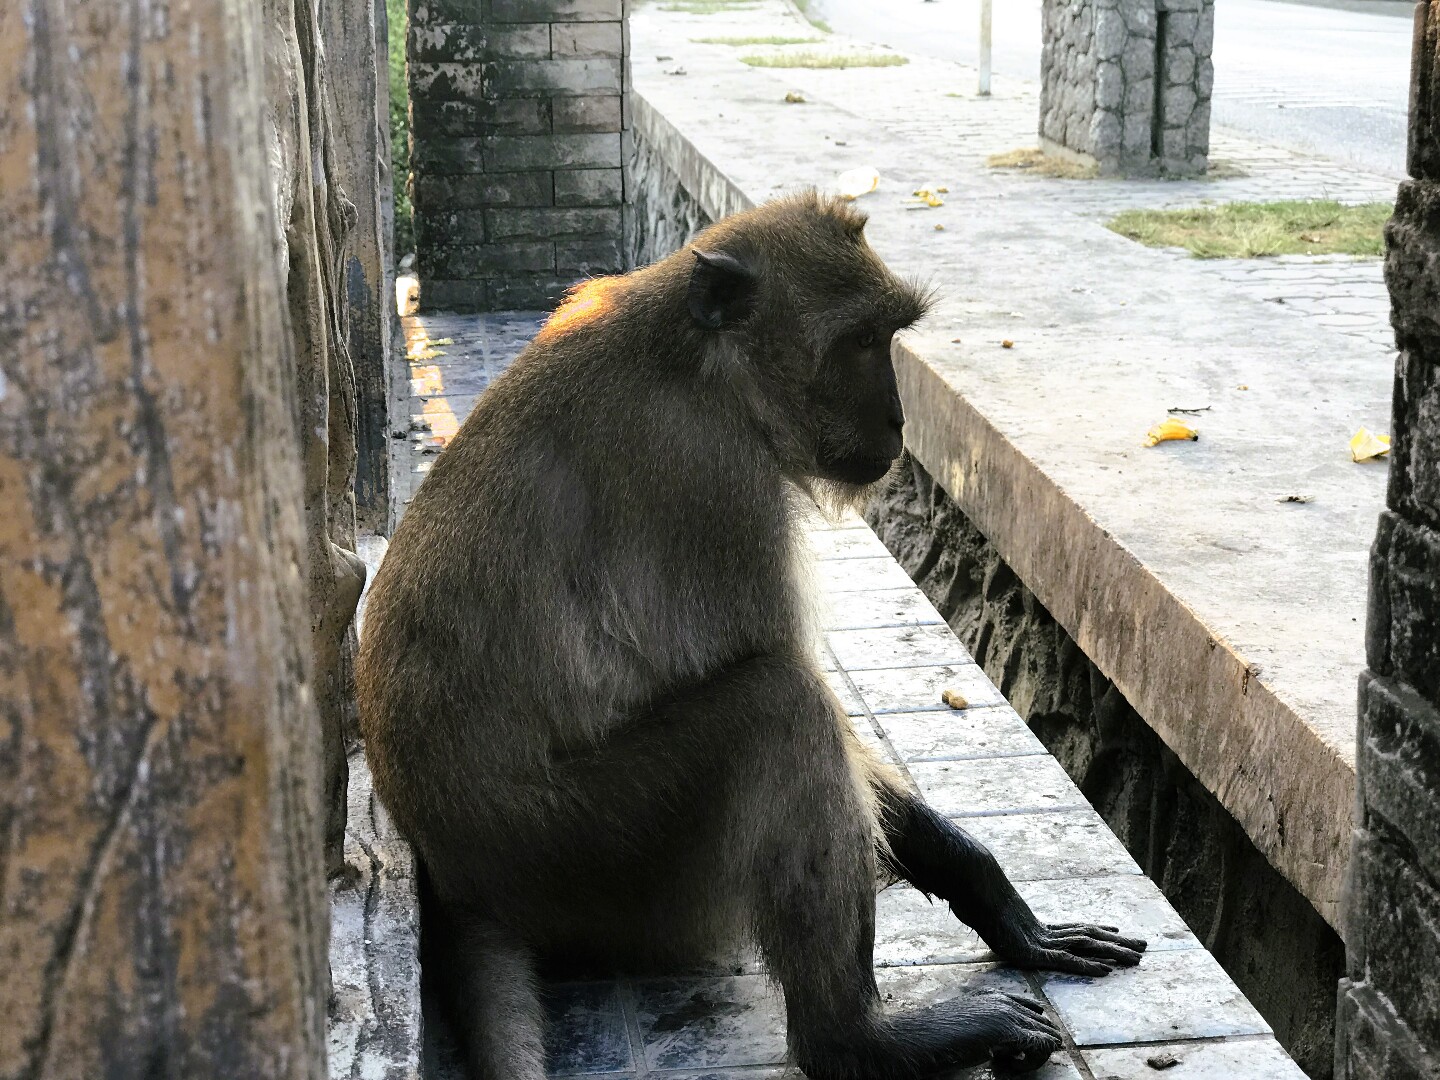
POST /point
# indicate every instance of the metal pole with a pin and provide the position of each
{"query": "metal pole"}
(984, 48)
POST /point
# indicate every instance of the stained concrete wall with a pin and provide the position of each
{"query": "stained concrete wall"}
(518, 114)
(1267, 936)
(1126, 83)
(1390, 1004)
(189, 265)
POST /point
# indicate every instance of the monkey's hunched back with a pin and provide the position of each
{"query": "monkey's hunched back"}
(612, 521)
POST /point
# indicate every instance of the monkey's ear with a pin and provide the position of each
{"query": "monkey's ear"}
(722, 290)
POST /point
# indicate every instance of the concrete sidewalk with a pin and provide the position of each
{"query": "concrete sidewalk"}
(1228, 616)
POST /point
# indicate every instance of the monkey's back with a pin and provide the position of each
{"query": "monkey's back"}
(604, 530)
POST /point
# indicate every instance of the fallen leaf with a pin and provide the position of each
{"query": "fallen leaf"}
(954, 699)
(1162, 1061)
(1365, 444)
(794, 97)
(856, 182)
(1295, 499)
(1007, 344)
(1169, 430)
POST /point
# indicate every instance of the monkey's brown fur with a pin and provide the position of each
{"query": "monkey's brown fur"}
(587, 685)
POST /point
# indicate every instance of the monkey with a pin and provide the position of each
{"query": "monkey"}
(588, 688)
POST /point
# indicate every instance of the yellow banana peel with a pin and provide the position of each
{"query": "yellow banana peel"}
(1365, 444)
(1169, 430)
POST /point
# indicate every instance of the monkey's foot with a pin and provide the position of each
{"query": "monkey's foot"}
(976, 1027)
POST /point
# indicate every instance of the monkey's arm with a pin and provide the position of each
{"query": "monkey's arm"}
(941, 859)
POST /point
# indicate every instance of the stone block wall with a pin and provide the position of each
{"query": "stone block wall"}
(518, 112)
(1389, 1010)
(1126, 83)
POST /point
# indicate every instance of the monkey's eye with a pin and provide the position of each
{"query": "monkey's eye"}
(866, 339)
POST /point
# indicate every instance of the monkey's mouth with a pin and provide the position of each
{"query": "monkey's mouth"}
(858, 469)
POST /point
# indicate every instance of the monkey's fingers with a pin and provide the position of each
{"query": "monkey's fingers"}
(1068, 962)
(1026, 1050)
(1096, 948)
(1104, 933)
(1030, 1003)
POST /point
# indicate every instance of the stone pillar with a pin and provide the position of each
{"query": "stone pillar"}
(1125, 84)
(362, 154)
(1389, 1008)
(517, 112)
(162, 904)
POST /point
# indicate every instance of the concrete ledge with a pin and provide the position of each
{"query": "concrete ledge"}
(1229, 617)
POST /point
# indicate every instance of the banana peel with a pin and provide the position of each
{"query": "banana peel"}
(1170, 430)
(1365, 445)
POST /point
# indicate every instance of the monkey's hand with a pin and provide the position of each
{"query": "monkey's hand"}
(1077, 948)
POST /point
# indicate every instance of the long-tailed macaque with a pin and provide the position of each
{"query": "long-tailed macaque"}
(587, 680)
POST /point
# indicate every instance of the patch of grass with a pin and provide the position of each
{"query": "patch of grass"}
(1253, 230)
(400, 127)
(1034, 160)
(824, 60)
(757, 40)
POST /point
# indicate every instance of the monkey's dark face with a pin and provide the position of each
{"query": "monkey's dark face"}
(818, 312)
(856, 407)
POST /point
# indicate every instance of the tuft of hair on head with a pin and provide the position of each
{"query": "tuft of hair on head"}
(583, 304)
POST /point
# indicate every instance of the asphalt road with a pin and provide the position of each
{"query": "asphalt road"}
(1331, 79)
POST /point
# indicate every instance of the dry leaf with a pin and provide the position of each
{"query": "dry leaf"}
(954, 699)
(1364, 445)
(856, 182)
(794, 97)
(1295, 499)
(1170, 430)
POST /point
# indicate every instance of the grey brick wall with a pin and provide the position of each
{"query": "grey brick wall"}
(1389, 1007)
(1126, 83)
(519, 120)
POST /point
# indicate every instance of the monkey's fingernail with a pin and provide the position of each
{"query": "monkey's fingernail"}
(954, 699)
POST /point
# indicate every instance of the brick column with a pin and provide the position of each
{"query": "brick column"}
(518, 114)
(1100, 98)
(1389, 1009)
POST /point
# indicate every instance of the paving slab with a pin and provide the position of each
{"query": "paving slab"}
(980, 763)
(1228, 614)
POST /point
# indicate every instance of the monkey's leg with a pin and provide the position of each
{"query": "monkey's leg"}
(487, 983)
(799, 833)
(941, 859)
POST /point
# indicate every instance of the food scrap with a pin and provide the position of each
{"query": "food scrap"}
(1007, 344)
(928, 196)
(954, 699)
(794, 97)
(1365, 445)
(1170, 430)
(856, 182)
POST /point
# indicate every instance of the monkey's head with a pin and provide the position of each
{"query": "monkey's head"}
(793, 296)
